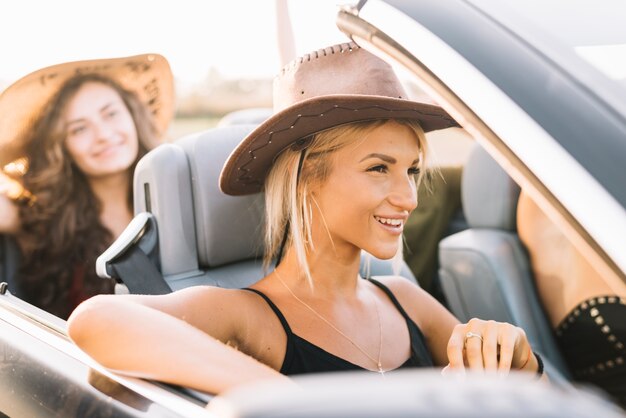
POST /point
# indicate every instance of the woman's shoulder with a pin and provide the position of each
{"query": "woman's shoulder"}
(413, 299)
(231, 301)
(399, 285)
(216, 294)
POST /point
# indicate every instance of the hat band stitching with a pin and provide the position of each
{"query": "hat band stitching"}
(245, 177)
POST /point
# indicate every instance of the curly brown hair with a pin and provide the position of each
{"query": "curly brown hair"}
(61, 233)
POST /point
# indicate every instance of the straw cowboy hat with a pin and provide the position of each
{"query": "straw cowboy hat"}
(327, 88)
(22, 103)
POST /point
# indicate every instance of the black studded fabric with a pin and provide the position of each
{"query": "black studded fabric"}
(593, 338)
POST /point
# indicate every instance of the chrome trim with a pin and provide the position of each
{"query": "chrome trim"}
(583, 196)
(131, 234)
(39, 316)
(144, 388)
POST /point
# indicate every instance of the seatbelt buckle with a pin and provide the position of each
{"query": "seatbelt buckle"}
(142, 227)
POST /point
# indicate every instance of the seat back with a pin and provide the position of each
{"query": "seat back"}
(205, 236)
(485, 270)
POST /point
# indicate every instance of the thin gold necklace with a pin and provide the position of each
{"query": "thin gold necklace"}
(380, 327)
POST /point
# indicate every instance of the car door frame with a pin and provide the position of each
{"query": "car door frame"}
(485, 92)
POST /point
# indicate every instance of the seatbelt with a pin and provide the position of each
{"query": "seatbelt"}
(138, 273)
(130, 258)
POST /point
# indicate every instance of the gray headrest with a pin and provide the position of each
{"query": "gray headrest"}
(228, 228)
(489, 195)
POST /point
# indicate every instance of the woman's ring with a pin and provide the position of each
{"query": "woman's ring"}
(473, 334)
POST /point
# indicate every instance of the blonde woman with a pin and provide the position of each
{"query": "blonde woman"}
(78, 128)
(339, 162)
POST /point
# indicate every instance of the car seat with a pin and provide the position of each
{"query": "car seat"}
(204, 236)
(485, 270)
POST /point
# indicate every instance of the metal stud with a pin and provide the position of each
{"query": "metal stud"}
(600, 367)
(592, 302)
(619, 360)
(576, 312)
(612, 299)
(606, 329)
(612, 338)
(584, 306)
(602, 299)
(610, 364)
(619, 345)
(599, 320)
(594, 312)
(571, 319)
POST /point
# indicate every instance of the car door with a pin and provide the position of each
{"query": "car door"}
(43, 374)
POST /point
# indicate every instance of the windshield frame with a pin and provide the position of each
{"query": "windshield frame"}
(445, 35)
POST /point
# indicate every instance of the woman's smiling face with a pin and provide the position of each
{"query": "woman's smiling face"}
(370, 191)
(101, 136)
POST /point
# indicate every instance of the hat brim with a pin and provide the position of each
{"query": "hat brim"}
(246, 168)
(21, 104)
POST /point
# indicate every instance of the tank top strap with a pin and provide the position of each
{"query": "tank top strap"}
(391, 296)
(277, 311)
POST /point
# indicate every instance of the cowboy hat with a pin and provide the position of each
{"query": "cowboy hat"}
(321, 90)
(22, 103)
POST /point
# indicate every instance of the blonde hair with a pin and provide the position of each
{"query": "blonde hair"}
(287, 193)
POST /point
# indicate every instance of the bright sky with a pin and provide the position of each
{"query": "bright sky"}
(238, 37)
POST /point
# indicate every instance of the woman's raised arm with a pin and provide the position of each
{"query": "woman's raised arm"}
(167, 338)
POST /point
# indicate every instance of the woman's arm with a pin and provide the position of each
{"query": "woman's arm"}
(492, 345)
(167, 338)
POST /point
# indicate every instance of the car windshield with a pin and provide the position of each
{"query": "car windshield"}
(594, 30)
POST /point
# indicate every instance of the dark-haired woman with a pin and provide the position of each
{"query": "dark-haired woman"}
(78, 130)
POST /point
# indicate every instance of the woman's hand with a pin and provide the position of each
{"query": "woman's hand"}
(490, 346)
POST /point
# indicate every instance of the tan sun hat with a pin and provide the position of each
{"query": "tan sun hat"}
(321, 90)
(22, 103)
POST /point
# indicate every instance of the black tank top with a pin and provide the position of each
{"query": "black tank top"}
(302, 356)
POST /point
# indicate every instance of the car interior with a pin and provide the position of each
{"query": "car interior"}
(208, 238)
(204, 236)
(485, 270)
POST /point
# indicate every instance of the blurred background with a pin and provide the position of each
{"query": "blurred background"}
(223, 54)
